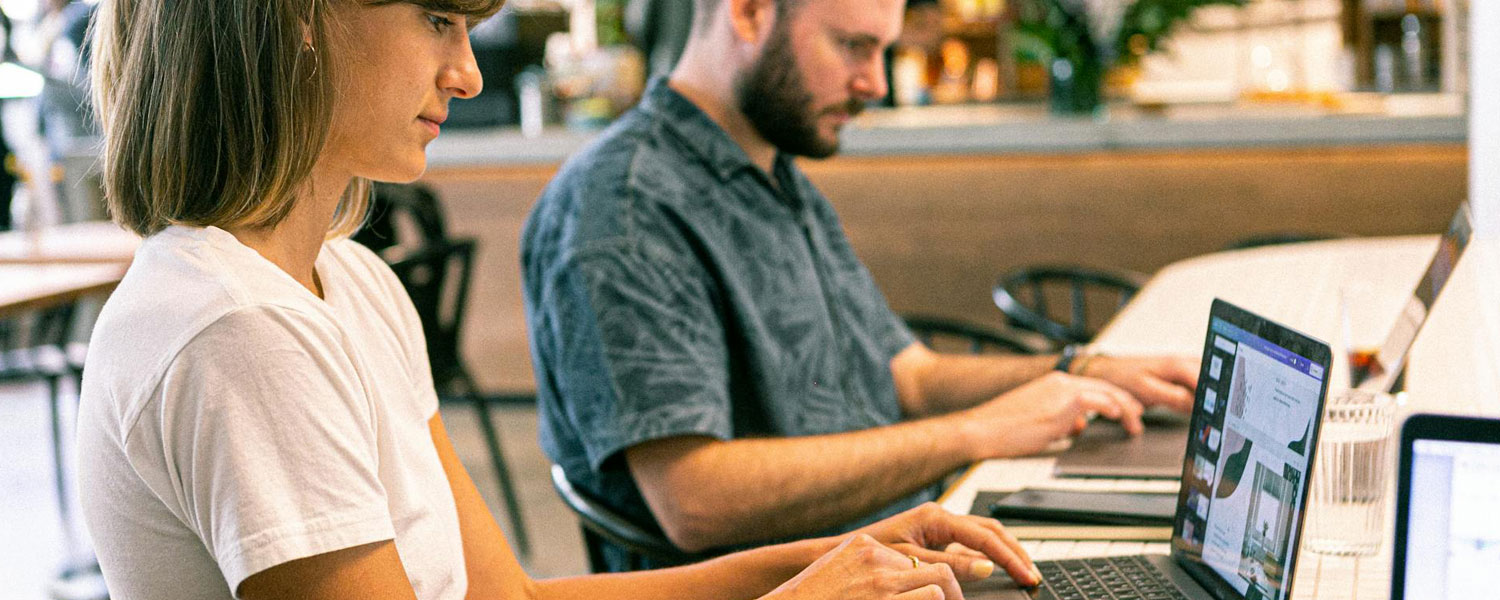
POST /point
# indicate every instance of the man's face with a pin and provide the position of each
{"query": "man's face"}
(819, 67)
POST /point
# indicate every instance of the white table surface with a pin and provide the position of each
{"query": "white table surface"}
(88, 242)
(33, 287)
(1299, 286)
(1296, 285)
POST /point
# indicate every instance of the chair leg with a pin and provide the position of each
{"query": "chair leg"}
(59, 469)
(594, 546)
(74, 560)
(507, 487)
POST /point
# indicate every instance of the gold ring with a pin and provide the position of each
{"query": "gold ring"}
(915, 562)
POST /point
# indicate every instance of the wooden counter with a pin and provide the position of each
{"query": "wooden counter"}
(991, 129)
(937, 229)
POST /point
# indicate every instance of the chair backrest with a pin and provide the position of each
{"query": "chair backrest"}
(1067, 304)
(600, 522)
(29, 341)
(403, 215)
(940, 333)
(1278, 238)
(437, 278)
(408, 227)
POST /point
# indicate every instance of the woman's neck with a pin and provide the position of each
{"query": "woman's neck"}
(294, 243)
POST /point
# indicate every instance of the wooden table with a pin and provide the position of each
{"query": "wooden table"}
(89, 242)
(32, 287)
(1299, 286)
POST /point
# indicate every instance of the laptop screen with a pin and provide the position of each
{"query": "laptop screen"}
(1378, 372)
(1452, 527)
(1246, 472)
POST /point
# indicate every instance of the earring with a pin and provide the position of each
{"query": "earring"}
(309, 48)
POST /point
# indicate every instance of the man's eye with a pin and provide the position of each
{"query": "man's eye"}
(858, 47)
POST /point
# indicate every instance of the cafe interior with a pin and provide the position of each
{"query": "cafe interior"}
(1327, 170)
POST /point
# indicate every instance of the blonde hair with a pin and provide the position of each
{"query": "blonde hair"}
(215, 111)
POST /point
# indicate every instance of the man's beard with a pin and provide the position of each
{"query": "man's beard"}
(775, 100)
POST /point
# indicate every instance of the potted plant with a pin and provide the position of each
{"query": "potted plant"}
(1079, 40)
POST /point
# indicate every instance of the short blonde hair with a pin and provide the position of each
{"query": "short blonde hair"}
(215, 111)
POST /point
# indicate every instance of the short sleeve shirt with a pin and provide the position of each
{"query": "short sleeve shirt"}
(674, 288)
(231, 421)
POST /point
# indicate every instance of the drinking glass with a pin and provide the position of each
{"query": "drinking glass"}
(1351, 476)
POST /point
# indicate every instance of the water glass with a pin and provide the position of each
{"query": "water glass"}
(1351, 476)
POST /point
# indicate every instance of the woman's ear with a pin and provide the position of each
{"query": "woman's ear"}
(307, 26)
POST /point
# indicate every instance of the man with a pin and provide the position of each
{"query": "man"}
(711, 356)
(660, 28)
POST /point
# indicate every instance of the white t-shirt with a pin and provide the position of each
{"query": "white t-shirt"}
(232, 421)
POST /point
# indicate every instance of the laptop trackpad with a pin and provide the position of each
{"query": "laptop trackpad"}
(1106, 450)
(999, 587)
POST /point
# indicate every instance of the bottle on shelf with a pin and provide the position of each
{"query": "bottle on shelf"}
(1400, 43)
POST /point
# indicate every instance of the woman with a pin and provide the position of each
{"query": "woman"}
(258, 416)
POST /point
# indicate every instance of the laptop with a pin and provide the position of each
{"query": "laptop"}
(1250, 447)
(1105, 450)
(1447, 531)
(1381, 371)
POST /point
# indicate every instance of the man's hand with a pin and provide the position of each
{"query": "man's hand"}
(1154, 381)
(927, 531)
(862, 568)
(1051, 407)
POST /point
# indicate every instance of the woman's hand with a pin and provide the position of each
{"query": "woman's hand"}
(862, 568)
(930, 533)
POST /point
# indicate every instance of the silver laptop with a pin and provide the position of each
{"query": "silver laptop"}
(1250, 447)
(1105, 450)
(1447, 530)
(1381, 371)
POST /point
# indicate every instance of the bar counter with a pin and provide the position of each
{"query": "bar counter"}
(1028, 128)
(939, 201)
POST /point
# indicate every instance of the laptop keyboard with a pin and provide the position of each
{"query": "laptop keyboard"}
(1116, 578)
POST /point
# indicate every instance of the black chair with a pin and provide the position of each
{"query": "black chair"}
(600, 523)
(941, 332)
(395, 211)
(1279, 238)
(1066, 304)
(437, 275)
(35, 347)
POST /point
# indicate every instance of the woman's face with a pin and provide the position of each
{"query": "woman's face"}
(398, 66)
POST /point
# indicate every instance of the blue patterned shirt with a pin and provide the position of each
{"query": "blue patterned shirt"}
(672, 288)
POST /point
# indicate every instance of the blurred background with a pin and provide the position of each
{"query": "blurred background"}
(1306, 117)
(1114, 137)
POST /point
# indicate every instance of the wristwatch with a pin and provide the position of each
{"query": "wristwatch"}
(1069, 353)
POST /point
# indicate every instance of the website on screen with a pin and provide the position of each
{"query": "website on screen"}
(1250, 456)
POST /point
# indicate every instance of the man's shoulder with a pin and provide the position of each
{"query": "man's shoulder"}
(641, 153)
(620, 186)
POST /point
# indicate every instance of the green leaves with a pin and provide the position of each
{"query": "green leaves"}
(1150, 22)
(1049, 28)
